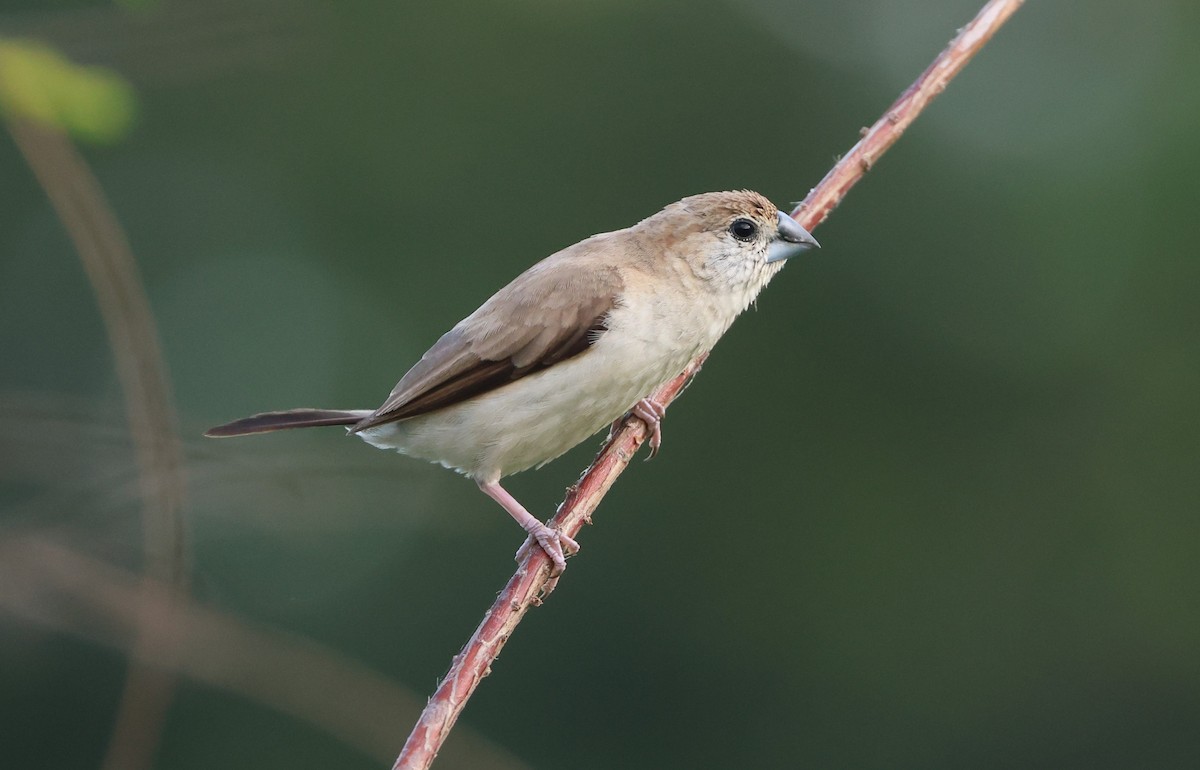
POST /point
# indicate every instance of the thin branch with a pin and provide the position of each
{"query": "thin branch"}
(532, 579)
(149, 409)
(876, 140)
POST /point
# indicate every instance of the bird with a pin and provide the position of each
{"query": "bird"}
(574, 343)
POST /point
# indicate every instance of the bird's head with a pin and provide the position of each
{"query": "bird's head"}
(736, 241)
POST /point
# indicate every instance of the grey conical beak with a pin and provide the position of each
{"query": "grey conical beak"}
(792, 240)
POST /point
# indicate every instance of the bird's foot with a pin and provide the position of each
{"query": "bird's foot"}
(651, 412)
(557, 546)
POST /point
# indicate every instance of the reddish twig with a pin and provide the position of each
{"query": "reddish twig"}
(532, 579)
(876, 140)
(525, 589)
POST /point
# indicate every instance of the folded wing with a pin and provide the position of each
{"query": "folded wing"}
(551, 312)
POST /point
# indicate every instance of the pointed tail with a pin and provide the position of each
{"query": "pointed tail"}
(292, 418)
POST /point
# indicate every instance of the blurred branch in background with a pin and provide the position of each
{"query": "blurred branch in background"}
(78, 451)
(44, 96)
(471, 665)
(49, 585)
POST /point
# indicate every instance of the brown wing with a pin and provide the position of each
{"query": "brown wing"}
(553, 311)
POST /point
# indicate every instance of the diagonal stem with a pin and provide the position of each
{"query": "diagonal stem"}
(532, 579)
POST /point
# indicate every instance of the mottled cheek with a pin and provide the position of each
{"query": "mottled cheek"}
(740, 271)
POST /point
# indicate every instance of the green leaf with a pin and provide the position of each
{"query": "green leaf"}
(37, 82)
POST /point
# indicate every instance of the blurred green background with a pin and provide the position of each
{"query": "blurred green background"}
(933, 505)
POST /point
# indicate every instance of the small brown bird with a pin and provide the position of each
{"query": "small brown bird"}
(572, 344)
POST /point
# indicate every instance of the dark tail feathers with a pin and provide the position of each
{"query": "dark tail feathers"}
(292, 418)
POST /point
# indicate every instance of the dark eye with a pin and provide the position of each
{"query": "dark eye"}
(743, 229)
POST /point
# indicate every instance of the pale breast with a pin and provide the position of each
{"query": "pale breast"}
(536, 418)
(539, 417)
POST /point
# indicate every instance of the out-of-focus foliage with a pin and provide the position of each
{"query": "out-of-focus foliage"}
(932, 505)
(37, 82)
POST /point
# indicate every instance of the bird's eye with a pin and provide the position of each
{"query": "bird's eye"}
(743, 229)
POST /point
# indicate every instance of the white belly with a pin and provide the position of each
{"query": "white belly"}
(539, 417)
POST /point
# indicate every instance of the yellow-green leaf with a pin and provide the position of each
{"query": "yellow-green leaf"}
(39, 83)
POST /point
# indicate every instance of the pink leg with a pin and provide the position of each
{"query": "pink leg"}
(651, 412)
(554, 543)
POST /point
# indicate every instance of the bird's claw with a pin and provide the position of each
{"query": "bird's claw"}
(557, 545)
(651, 412)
